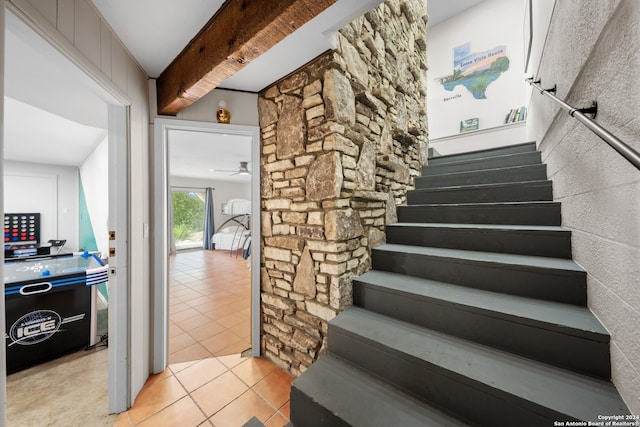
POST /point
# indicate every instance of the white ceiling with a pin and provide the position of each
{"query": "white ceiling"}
(156, 31)
(37, 136)
(441, 10)
(207, 155)
(53, 115)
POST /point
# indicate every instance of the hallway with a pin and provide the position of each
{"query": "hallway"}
(209, 305)
(207, 381)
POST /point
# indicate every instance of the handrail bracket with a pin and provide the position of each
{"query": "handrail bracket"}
(590, 112)
(586, 116)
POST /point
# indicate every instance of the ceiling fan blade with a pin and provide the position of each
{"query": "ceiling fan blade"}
(242, 170)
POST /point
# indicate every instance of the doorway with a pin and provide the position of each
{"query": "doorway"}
(163, 228)
(209, 268)
(79, 94)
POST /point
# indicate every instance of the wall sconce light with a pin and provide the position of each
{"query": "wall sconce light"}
(222, 114)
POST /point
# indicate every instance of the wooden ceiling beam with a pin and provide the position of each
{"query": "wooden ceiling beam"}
(238, 33)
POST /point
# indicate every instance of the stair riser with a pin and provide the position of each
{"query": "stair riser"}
(482, 164)
(544, 342)
(456, 394)
(549, 244)
(552, 285)
(525, 193)
(514, 149)
(494, 176)
(307, 413)
(253, 422)
(542, 214)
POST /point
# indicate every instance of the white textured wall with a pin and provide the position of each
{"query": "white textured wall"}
(541, 13)
(94, 172)
(592, 52)
(480, 140)
(243, 107)
(80, 30)
(50, 190)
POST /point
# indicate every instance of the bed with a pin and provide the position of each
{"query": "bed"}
(231, 237)
(234, 234)
(237, 207)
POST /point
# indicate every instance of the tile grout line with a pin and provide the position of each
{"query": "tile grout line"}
(206, 417)
(250, 388)
(190, 287)
(164, 407)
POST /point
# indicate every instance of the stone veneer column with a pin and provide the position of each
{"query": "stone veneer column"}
(342, 140)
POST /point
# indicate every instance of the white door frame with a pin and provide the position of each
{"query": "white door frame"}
(3, 351)
(119, 380)
(119, 389)
(161, 229)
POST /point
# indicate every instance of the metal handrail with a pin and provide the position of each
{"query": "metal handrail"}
(581, 114)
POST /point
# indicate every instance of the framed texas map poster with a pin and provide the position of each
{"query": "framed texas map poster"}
(475, 71)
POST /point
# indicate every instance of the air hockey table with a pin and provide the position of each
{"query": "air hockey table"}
(50, 306)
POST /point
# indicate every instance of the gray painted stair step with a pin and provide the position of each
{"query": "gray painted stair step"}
(515, 213)
(552, 279)
(334, 393)
(478, 383)
(488, 176)
(511, 149)
(560, 334)
(253, 422)
(518, 159)
(530, 191)
(549, 241)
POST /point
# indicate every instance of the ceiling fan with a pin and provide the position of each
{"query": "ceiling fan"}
(242, 170)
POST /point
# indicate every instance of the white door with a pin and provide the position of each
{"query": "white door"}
(119, 375)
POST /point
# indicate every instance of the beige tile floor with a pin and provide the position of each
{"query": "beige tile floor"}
(209, 316)
(223, 391)
(209, 305)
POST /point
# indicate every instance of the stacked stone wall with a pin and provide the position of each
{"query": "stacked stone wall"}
(342, 141)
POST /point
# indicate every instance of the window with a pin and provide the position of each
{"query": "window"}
(188, 218)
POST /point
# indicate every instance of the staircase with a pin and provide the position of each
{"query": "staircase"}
(473, 314)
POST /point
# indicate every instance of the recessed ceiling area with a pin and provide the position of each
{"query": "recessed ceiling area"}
(52, 116)
(208, 155)
(37, 136)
